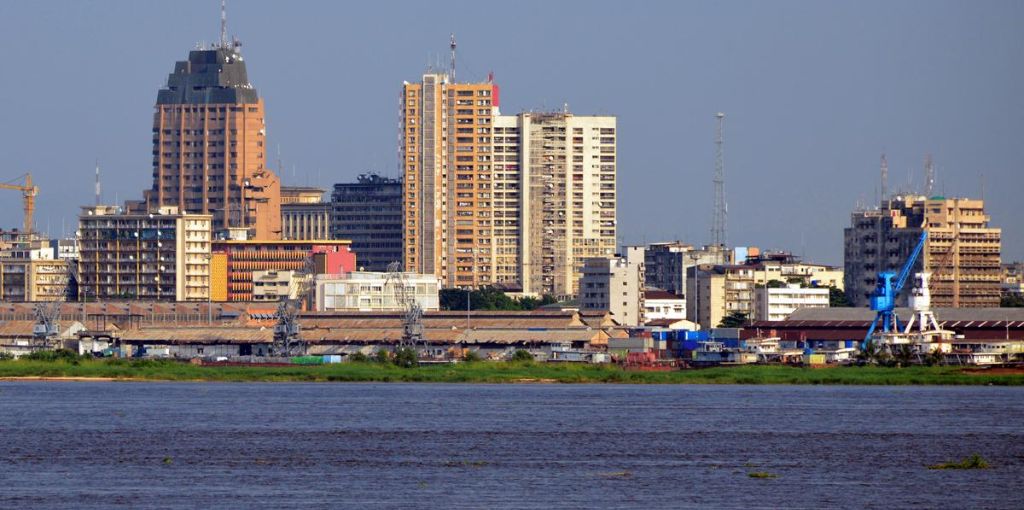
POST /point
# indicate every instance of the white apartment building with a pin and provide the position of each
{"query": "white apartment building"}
(615, 284)
(362, 291)
(659, 304)
(775, 304)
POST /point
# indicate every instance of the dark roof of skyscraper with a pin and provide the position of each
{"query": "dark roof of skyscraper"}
(215, 76)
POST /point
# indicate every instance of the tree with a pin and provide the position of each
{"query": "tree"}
(406, 357)
(775, 284)
(837, 298)
(733, 320)
(489, 298)
(1012, 301)
(522, 355)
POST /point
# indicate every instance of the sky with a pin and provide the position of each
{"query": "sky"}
(813, 92)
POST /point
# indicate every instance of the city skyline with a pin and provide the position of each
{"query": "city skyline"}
(806, 122)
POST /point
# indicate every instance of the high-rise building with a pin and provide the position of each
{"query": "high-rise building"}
(209, 145)
(446, 157)
(962, 251)
(515, 201)
(567, 175)
(163, 255)
(304, 214)
(368, 212)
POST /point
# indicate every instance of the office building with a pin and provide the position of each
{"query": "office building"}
(666, 263)
(616, 285)
(363, 291)
(304, 214)
(163, 255)
(368, 213)
(962, 251)
(209, 145)
(235, 263)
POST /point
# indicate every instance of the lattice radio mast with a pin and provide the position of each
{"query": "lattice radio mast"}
(718, 221)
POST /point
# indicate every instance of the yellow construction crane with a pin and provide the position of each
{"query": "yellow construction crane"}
(28, 195)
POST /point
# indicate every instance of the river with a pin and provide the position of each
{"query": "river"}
(272, 445)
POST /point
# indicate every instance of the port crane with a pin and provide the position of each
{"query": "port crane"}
(412, 318)
(28, 196)
(287, 338)
(888, 286)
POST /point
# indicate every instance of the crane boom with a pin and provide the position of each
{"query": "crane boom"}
(28, 195)
(909, 265)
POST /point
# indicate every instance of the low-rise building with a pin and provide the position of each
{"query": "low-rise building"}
(160, 255)
(659, 304)
(363, 291)
(615, 284)
(777, 303)
(235, 261)
(274, 285)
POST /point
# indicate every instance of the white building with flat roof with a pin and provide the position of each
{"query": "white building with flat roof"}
(775, 304)
(362, 291)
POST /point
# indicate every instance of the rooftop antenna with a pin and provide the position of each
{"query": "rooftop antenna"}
(97, 182)
(719, 213)
(452, 46)
(885, 178)
(223, 24)
(929, 176)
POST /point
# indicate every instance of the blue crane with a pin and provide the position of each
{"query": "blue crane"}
(883, 299)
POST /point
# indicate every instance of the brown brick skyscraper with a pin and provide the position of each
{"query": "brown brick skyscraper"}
(209, 145)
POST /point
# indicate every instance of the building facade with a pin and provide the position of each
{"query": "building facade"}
(304, 214)
(776, 303)
(514, 201)
(616, 285)
(446, 157)
(715, 291)
(163, 255)
(274, 285)
(666, 263)
(363, 291)
(368, 213)
(209, 145)
(662, 305)
(236, 262)
(962, 251)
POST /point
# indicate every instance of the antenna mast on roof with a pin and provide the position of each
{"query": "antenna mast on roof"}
(97, 182)
(223, 24)
(452, 46)
(718, 220)
(929, 176)
(885, 179)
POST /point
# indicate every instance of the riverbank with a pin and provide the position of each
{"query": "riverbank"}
(488, 372)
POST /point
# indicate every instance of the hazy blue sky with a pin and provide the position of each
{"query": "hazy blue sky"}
(814, 92)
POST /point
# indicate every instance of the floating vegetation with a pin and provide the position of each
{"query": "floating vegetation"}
(762, 474)
(973, 462)
(168, 460)
(617, 474)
